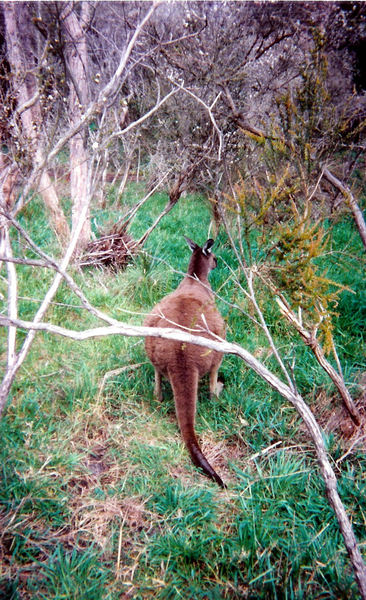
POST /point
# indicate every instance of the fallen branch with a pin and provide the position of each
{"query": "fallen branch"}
(292, 396)
(113, 249)
(311, 341)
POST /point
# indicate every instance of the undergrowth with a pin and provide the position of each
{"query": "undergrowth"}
(98, 497)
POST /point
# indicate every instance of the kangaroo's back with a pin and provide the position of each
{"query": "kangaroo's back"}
(190, 307)
(184, 310)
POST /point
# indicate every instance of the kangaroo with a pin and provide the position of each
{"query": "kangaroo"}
(191, 306)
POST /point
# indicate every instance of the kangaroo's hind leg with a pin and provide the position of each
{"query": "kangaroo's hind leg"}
(158, 393)
(215, 386)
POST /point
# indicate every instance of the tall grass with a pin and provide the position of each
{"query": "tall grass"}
(98, 497)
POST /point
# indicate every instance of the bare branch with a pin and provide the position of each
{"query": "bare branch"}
(351, 201)
(174, 194)
(137, 207)
(144, 117)
(12, 370)
(292, 396)
(210, 113)
(27, 104)
(239, 118)
(94, 107)
(50, 263)
(12, 296)
(312, 342)
(165, 333)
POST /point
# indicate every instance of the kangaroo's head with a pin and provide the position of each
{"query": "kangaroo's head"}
(202, 260)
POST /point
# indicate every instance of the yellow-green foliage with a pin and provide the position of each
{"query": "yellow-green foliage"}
(307, 115)
(296, 269)
(293, 245)
(281, 204)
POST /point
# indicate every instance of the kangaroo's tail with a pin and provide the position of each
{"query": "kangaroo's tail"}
(185, 394)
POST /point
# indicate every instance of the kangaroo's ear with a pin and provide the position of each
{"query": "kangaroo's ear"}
(190, 243)
(206, 249)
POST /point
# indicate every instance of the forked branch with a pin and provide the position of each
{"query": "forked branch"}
(312, 342)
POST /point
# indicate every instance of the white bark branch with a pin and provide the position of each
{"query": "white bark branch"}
(94, 107)
(144, 117)
(12, 296)
(293, 397)
(210, 114)
(18, 360)
(166, 333)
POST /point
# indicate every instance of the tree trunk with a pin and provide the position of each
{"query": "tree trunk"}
(76, 56)
(21, 58)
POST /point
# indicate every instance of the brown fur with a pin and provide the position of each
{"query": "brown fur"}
(184, 364)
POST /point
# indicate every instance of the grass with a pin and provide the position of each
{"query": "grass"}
(98, 498)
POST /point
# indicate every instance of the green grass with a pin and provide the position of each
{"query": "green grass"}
(98, 498)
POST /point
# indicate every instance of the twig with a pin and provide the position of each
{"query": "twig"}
(248, 274)
(113, 373)
(51, 263)
(12, 296)
(354, 443)
(144, 117)
(164, 212)
(210, 113)
(119, 549)
(265, 450)
(134, 209)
